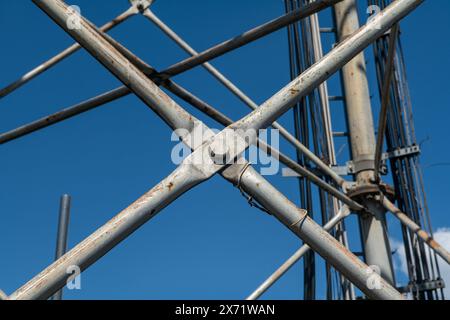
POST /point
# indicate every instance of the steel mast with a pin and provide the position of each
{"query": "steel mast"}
(323, 188)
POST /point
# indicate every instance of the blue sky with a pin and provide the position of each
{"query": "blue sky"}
(209, 243)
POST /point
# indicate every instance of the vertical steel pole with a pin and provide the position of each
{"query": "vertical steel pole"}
(180, 181)
(362, 136)
(385, 99)
(348, 288)
(61, 239)
(63, 54)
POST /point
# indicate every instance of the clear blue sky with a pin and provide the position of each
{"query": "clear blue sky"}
(209, 243)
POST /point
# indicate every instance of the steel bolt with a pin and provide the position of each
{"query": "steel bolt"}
(219, 151)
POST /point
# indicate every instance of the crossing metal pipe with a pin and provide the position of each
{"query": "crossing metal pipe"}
(133, 10)
(313, 234)
(64, 114)
(277, 104)
(285, 211)
(276, 154)
(224, 120)
(245, 38)
(289, 263)
(282, 101)
(243, 97)
(220, 49)
(416, 229)
(249, 36)
(109, 235)
(183, 94)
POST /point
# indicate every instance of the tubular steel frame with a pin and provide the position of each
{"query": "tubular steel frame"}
(216, 153)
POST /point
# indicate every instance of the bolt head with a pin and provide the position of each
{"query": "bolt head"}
(142, 4)
(219, 151)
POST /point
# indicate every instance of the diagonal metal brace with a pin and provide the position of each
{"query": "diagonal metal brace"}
(180, 181)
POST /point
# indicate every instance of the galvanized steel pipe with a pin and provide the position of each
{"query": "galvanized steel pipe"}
(63, 54)
(289, 263)
(63, 228)
(288, 213)
(417, 230)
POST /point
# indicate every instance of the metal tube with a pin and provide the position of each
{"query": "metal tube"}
(321, 70)
(182, 179)
(285, 211)
(220, 49)
(376, 245)
(109, 235)
(348, 288)
(224, 120)
(385, 99)
(357, 95)
(282, 101)
(307, 229)
(289, 263)
(277, 104)
(63, 114)
(291, 164)
(243, 97)
(183, 94)
(415, 228)
(377, 251)
(249, 36)
(61, 239)
(64, 54)
(126, 72)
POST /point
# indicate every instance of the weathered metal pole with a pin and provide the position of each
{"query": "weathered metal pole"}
(348, 289)
(289, 263)
(314, 235)
(62, 115)
(61, 239)
(181, 93)
(416, 229)
(243, 97)
(189, 175)
(385, 99)
(133, 10)
(249, 36)
(108, 236)
(185, 65)
(361, 128)
(221, 118)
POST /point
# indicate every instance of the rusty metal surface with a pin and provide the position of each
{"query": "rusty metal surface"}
(108, 236)
(289, 263)
(149, 93)
(415, 228)
(322, 166)
(64, 54)
(213, 149)
(247, 37)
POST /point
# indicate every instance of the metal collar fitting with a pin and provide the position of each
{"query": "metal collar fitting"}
(142, 5)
